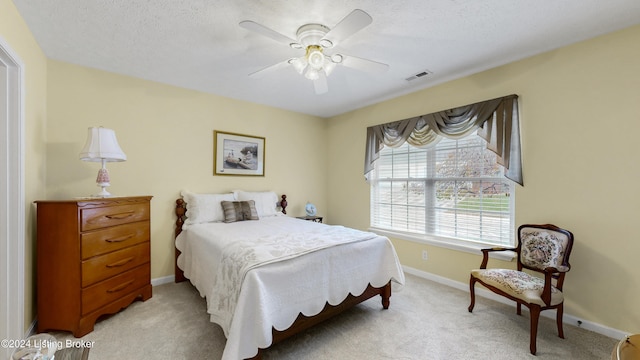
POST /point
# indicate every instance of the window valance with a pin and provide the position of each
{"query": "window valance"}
(496, 122)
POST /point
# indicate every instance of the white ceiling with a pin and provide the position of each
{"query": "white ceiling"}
(197, 44)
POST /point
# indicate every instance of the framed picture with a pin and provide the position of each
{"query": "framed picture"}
(237, 154)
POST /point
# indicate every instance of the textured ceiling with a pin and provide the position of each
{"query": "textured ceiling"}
(197, 44)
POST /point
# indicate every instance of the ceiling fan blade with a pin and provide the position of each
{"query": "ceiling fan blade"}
(269, 69)
(364, 64)
(320, 84)
(265, 31)
(351, 24)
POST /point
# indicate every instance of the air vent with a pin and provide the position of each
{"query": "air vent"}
(419, 75)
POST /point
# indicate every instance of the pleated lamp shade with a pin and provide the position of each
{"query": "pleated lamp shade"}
(102, 146)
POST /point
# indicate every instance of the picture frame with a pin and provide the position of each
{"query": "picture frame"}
(238, 154)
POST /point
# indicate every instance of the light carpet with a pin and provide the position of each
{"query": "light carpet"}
(426, 320)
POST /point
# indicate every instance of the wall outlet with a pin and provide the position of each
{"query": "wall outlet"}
(425, 256)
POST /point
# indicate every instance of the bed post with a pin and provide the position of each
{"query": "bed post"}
(283, 204)
(385, 293)
(180, 211)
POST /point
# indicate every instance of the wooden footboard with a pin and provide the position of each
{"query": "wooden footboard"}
(302, 322)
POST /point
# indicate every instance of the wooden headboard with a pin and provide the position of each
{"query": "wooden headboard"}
(181, 211)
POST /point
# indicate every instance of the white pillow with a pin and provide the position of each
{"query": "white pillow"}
(266, 201)
(203, 208)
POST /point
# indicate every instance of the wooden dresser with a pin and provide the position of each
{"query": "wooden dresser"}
(93, 259)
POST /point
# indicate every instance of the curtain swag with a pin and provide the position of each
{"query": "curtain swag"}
(496, 122)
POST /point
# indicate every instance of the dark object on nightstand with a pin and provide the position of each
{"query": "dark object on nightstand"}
(317, 219)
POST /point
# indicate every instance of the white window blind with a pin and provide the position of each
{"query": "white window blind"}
(453, 190)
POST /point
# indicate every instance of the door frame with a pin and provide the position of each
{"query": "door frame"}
(12, 219)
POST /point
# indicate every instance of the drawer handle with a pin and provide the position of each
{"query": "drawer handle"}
(120, 287)
(120, 216)
(121, 262)
(120, 239)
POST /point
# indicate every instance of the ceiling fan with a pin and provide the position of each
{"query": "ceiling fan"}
(315, 64)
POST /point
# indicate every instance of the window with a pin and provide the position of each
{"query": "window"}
(452, 192)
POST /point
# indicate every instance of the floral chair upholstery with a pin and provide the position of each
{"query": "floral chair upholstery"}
(542, 249)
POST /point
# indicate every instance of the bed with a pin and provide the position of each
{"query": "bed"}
(267, 276)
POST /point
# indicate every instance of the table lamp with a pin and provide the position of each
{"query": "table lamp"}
(102, 146)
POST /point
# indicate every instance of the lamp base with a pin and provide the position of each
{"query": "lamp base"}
(103, 193)
(103, 181)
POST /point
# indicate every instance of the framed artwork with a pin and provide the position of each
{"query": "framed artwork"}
(237, 154)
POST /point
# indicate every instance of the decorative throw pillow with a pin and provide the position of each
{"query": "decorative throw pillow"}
(239, 211)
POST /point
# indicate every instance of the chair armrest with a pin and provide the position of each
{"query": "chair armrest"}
(546, 291)
(561, 269)
(551, 270)
(557, 270)
(485, 254)
(550, 273)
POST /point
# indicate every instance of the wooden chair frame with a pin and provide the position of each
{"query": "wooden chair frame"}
(550, 274)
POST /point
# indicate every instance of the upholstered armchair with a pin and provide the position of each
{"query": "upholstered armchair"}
(542, 249)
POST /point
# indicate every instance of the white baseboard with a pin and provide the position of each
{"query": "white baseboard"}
(567, 318)
(32, 328)
(162, 280)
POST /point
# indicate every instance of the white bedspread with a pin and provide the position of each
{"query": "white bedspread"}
(278, 283)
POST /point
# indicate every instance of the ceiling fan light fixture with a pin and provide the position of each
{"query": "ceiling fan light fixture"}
(311, 73)
(315, 57)
(314, 38)
(328, 67)
(314, 62)
(299, 64)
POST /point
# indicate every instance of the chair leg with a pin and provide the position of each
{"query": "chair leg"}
(559, 311)
(518, 309)
(534, 312)
(472, 292)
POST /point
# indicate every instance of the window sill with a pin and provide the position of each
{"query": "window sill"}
(448, 243)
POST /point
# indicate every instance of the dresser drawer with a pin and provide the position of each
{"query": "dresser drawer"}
(109, 290)
(113, 238)
(97, 218)
(105, 266)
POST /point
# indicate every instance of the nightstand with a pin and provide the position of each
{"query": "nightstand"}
(317, 219)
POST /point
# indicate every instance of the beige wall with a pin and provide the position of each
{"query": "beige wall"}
(17, 35)
(167, 134)
(580, 121)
